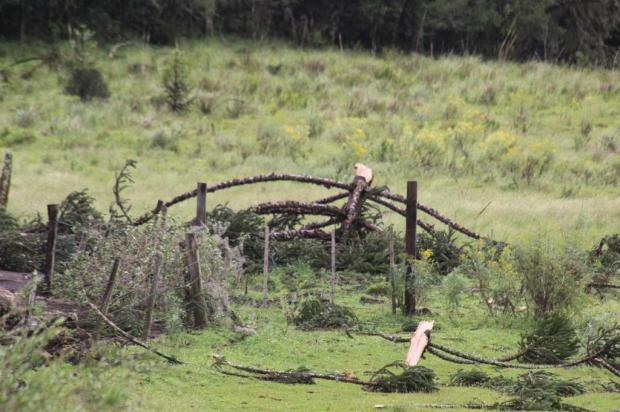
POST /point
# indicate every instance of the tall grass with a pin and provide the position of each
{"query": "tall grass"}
(510, 136)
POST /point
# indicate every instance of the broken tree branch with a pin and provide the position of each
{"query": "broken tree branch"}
(294, 376)
(132, 339)
(453, 355)
(353, 205)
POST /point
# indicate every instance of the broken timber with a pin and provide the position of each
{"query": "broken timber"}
(346, 216)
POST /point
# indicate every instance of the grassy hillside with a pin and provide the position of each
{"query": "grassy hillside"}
(538, 143)
(512, 151)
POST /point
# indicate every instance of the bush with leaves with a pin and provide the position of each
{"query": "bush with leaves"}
(552, 340)
(139, 249)
(87, 83)
(551, 275)
(496, 279)
(444, 253)
(453, 286)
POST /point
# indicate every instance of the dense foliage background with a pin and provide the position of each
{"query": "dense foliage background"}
(582, 31)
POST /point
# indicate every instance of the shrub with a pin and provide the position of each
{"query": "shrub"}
(87, 83)
(10, 136)
(314, 313)
(7, 221)
(163, 139)
(454, 285)
(442, 250)
(552, 341)
(34, 381)
(379, 289)
(474, 377)
(76, 211)
(537, 391)
(409, 380)
(496, 279)
(550, 275)
(524, 163)
(175, 82)
(138, 249)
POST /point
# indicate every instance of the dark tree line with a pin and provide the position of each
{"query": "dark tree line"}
(585, 31)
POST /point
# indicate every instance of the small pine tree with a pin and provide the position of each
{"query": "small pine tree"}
(552, 341)
(175, 83)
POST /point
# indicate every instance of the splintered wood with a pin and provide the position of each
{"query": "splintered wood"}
(419, 340)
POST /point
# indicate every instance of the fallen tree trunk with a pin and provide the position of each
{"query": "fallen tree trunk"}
(296, 208)
(301, 233)
(377, 196)
(286, 376)
(453, 355)
(353, 206)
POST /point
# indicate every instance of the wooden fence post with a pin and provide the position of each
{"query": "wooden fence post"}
(107, 293)
(266, 266)
(150, 301)
(392, 270)
(5, 180)
(50, 253)
(333, 282)
(201, 204)
(410, 246)
(197, 297)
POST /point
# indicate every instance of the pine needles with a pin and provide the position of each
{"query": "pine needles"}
(410, 379)
(552, 341)
(474, 377)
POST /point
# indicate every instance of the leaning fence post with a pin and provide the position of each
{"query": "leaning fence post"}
(392, 269)
(150, 301)
(5, 180)
(201, 204)
(50, 253)
(333, 279)
(107, 293)
(266, 266)
(410, 246)
(197, 297)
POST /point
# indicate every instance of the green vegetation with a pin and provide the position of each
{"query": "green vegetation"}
(524, 153)
(406, 116)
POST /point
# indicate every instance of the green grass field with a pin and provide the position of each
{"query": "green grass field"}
(512, 151)
(464, 128)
